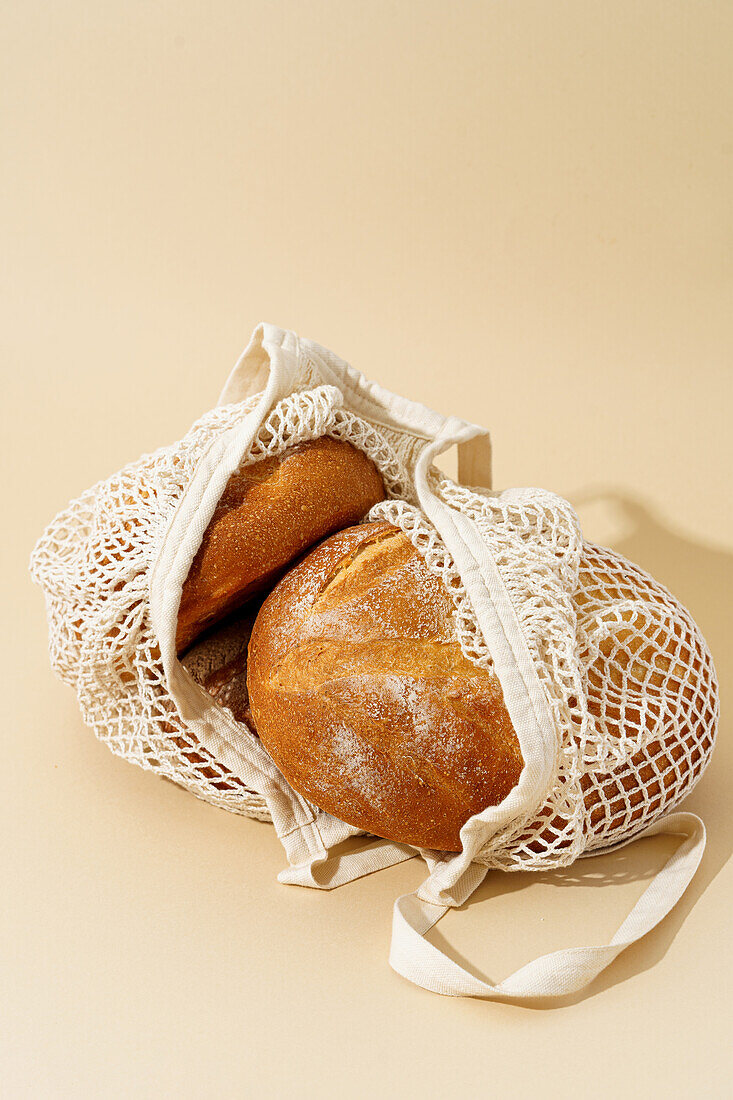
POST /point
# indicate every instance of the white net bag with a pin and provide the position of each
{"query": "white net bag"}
(606, 678)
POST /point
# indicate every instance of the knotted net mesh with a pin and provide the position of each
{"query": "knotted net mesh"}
(627, 676)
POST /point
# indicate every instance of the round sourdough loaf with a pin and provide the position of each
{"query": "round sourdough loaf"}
(362, 696)
(270, 512)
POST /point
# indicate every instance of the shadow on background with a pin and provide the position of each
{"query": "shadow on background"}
(700, 577)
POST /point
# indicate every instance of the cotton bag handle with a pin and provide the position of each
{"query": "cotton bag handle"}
(556, 974)
(251, 374)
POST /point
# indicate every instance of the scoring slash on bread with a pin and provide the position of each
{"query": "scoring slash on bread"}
(362, 696)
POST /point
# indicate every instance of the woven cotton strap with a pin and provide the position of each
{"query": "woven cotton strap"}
(560, 972)
(251, 375)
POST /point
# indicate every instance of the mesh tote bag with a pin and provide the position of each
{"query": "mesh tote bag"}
(607, 680)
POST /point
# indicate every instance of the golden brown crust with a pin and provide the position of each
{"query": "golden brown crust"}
(364, 699)
(269, 513)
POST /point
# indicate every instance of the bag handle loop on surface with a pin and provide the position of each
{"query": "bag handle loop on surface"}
(556, 974)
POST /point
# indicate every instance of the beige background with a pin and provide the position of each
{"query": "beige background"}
(516, 212)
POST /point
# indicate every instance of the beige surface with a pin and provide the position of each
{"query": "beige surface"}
(517, 212)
